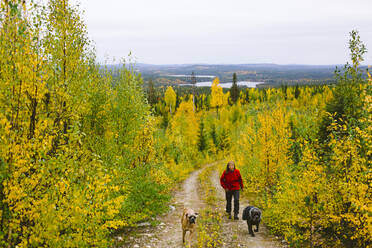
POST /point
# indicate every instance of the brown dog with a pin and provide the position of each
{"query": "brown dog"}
(188, 222)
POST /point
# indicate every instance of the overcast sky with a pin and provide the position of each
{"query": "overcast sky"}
(230, 32)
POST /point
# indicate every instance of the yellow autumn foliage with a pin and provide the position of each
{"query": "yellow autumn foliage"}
(170, 99)
(62, 149)
(218, 98)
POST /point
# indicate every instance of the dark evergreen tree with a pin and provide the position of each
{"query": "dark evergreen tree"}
(284, 89)
(178, 99)
(214, 134)
(151, 94)
(234, 91)
(297, 92)
(246, 96)
(224, 141)
(202, 141)
(295, 150)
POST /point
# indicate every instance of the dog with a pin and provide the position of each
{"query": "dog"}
(253, 217)
(188, 222)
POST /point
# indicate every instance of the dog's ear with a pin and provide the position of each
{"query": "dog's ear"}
(187, 215)
(196, 214)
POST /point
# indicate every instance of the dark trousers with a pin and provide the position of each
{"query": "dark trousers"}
(229, 195)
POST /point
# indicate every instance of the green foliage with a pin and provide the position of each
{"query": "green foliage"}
(146, 197)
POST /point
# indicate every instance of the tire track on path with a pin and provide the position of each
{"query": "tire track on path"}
(235, 232)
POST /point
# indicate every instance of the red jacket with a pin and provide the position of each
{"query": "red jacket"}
(231, 180)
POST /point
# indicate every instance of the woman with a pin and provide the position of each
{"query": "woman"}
(232, 182)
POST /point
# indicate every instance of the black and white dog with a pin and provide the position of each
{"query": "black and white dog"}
(253, 217)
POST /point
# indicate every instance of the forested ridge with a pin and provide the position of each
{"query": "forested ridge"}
(87, 151)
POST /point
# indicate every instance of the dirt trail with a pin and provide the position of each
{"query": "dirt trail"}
(235, 232)
(168, 233)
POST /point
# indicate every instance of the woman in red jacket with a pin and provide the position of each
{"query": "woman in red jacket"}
(232, 182)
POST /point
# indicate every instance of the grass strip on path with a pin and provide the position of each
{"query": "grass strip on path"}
(210, 221)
